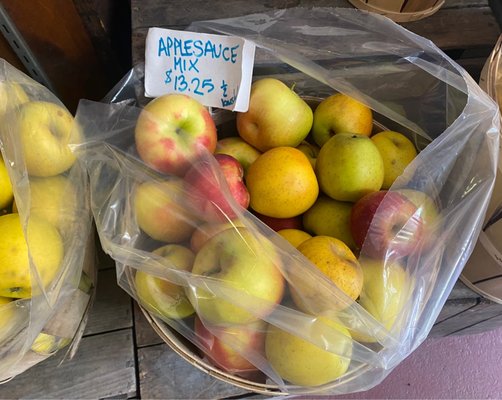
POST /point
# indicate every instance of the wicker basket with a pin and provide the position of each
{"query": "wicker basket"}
(400, 10)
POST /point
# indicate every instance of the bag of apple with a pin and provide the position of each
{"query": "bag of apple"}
(307, 243)
(47, 271)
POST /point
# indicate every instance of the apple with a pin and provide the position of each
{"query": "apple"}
(6, 191)
(162, 297)
(338, 263)
(46, 344)
(397, 152)
(386, 288)
(231, 348)
(161, 212)
(349, 166)
(6, 314)
(45, 131)
(386, 224)
(340, 113)
(45, 254)
(246, 262)
(239, 149)
(280, 223)
(172, 131)
(12, 95)
(310, 150)
(321, 356)
(294, 236)
(276, 117)
(207, 194)
(330, 217)
(207, 230)
(282, 183)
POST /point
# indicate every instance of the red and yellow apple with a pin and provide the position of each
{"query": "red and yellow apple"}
(280, 223)
(239, 149)
(172, 131)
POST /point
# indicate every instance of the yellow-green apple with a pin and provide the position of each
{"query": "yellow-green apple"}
(12, 95)
(172, 131)
(276, 117)
(310, 150)
(46, 344)
(280, 223)
(207, 192)
(239, 149)
(330, 217)
(161, 212)
(46, 131)
(323, 356)
(340, 113)
(386, 288)
(232, 348)
(6, 191)
(207, 230)
(45, 251)
(160, 296)
(386, 224)
(397, 152)
(246, 262)
(294, 236)
(55, 200)
(349, 166)
(337, 262)
(282, 183)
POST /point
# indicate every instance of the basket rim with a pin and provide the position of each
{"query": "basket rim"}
(398, 16)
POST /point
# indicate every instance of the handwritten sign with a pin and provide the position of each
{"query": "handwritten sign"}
(214, 69)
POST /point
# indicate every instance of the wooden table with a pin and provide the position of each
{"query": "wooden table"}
(120, 356)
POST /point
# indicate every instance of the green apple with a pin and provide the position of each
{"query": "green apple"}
(46, 131)
(349, 166)
(277, 116)
(331, 218)
(242, 260)
(386, 288)
(161, 212)
(310, 150)
(160, 296)
(239, 149)
(323, 358)
(340, 113)
(397, 152)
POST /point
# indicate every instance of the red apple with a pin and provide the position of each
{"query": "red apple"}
(230, 348)
(172, 131)
(386, 224)
(278, 224)
(207, 192)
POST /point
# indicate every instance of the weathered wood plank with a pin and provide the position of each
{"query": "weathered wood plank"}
(112, 307)
(483, 326)
(145, 334)
(165, 375)
(102, 367)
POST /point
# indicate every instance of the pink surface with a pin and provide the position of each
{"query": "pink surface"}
(455, 367)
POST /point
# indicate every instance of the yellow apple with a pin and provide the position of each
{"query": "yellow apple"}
(276, 117)
(12, 95)
(294, 236)
(242, 260)
(239, 149)
(330, 217)
(323, 358)
(55, 200)
(160, 296)
(46, 131)
(335, 260)
(46, 250)
(282, 183)
(386, 288)
(349, 166)
(46, 344)
(6, 193)
(340, 113)
(160, 211)
(397, 152)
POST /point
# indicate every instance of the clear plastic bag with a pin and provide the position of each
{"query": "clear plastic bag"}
(412, 87)
(47, 260)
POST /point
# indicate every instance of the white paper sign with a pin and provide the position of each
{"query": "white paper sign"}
(214, 69)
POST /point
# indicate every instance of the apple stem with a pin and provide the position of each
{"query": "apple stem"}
(293, 86)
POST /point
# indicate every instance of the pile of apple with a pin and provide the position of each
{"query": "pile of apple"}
(43, 131)
(317, 174)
